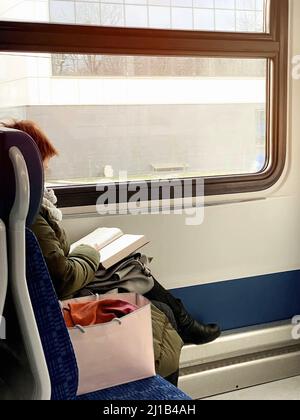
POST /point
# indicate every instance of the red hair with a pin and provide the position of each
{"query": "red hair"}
(46, 148)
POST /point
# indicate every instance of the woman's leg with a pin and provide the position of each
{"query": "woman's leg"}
(163, 307)
(167, 344)
(190, 330)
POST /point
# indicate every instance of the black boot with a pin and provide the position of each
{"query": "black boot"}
(190, 330)
(194, 332)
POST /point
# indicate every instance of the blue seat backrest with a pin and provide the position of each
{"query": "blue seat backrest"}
(19, 364)
(54, 335)
(8, 139)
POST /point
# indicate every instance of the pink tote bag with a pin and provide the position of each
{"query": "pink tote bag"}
(116, 352)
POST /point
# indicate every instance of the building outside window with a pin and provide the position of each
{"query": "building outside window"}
(208, 15)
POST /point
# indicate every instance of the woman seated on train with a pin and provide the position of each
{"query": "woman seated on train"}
(71, 272)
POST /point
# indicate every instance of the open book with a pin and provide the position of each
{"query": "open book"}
(115, 245)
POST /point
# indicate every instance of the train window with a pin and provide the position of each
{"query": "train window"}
(154, 104)
(209, 15)
(158, 113)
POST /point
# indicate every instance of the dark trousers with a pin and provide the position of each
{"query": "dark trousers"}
(160, 294)
(173, 378)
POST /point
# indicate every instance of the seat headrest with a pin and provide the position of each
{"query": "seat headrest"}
(10, 138)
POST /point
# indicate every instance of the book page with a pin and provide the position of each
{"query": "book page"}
(121, 248)
(101, 236)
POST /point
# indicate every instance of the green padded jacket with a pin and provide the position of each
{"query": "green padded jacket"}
(70, 272)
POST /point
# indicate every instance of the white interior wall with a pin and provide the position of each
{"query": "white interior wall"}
(236, 240)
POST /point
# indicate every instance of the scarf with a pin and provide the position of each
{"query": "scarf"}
(49, 201)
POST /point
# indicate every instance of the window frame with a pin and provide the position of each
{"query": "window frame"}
(273, 45)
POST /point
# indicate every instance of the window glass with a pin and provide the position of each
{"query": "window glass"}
(210, 15)
(153, 117)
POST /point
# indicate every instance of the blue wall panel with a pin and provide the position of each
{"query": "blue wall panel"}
(245, 302)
